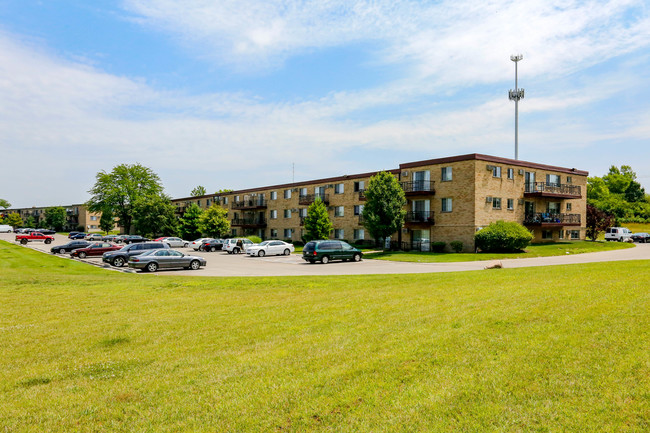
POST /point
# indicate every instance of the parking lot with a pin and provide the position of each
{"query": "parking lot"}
(221, 264)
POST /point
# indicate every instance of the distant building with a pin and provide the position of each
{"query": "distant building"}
(77, 215)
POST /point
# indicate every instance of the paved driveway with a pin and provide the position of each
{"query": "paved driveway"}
(221, 264)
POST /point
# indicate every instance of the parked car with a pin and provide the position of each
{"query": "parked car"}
(212, 245)
(196, 245)
(110, 238)
(34, 237)
(94, 249)
(77, 235)
(70, 246)
(131, 239)
(175, 242)
(6, 228)
(153, 260)
(121, 257)
(237, 245)
(72, 234)
(619, 234)
(327, 250)
(641, 237)
(47, 231)
(120, 239)
(269, 248)
(94, 237)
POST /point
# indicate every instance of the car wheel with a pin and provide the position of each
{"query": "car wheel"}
(61, 251)
(229, 252)
(194, 265)
(185, 245)
(213, 249)
(23, 241)
(235, 251)
(286, 252)
(82, 255)
(152, 267)
(325, 260)
(118, 262)
(356, 257)
(261, 253)
(48, 241)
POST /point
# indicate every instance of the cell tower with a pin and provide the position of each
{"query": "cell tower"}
(516, 95)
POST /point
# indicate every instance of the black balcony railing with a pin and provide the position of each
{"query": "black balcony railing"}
(257, 221)
(256, 203)
(545, 218)
(553, 189)
(424, 187)
(308, 199)
(362, 195)
(425, 217)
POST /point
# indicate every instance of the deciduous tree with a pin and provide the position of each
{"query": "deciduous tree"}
(384, 212)
(189, 222)
(107, 221)
(317, 222)
(155, 215)
(214, 222)
(597, 222)
(4, 204)
(55, 218)
(198, 191)
(14, 220)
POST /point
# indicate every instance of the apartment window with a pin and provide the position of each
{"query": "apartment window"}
(274, 195)
(553, 179)
(303, 191)
(446, 205)
(496, 171)
(339, 188)
(339, 234)
(358, 209)
(237, 200)
(547, 234)
(568, 207)
(446, 174)
(569, 179)
(359, 186)
(225, 200)
(359, 234)
(93, 218)
(575, 234)
(496, 203)
(319, 190)
(287, 213)
(198, 202)
(93, 227)
(288, 233)
(287, 193)
(338, 211)
(561, 234)
(511, 203)
(274, 233)
(553, 207)
(234, 232)
(511, 173)
(274, 214)
(207, 202)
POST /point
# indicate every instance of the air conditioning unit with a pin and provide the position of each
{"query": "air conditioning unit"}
(488, 199)
(329, 186)
(521, 172)
(330, 207)
(489, 167)
(405, 174)
(295, 190)
(520, 201)
(294, 210)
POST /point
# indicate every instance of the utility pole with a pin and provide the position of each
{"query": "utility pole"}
(516, 95)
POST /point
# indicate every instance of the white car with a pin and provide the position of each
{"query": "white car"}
(270, 248)
(197, 243)
(237, 245)
(175, 242)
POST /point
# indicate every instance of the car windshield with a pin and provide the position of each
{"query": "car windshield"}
(261, 244)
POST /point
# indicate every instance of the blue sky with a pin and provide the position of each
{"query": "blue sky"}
(231, 94)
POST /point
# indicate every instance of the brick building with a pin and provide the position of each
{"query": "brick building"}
(77, 215)
(448, 199)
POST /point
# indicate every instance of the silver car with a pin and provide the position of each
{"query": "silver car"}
(153, 260)
(176, 242)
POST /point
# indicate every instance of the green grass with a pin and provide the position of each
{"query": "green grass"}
(535, 250)
(540, 349)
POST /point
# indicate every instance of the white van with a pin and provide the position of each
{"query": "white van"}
(620, 234)
(6, 229)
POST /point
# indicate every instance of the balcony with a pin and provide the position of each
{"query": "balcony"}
(256, 203)
(249, 222)
(418, 187)
(553, 190)
(308, 199)
(419, 217)
(552, 219)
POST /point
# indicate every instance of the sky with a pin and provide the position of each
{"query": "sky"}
(241, 94)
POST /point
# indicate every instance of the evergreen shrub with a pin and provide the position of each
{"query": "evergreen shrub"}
(502, 236)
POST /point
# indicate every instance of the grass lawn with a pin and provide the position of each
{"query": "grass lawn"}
(535, 250)
(540, 349)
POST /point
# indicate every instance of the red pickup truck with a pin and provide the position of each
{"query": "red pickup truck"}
(34, 236)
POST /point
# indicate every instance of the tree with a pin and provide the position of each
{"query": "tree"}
(30, 222)
(597, 221)
(189, 222)
(317, 222)
(224, 191)
(121, 188)
(55, 218)
(155, 215)
(214, 221)
(198, 191)
(107, 221)
(14, 220)
(4, 203)
(384, 211)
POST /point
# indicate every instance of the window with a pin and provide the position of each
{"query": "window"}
(568, 207)
(575, 234)
(511, 203)
(547, 234)
(274, 233)
(569, 179)
(561, 234)
(93, 218)
(338, 211)
(359, 186)
(553, 207)
(225, 200)
(496, 171)
(339, 234)
(303, 192)
(288, 233)
(287, 193)
(496, 203)
(319, 190)
(303, 212)
(198, 202)
(237, 200)
(358, 209)
(359, 234)
(446, 174)
(553, 179)
(339, 188)
(446, 205)
(234, 232)
(274, 195)
(511, 173)
(274, 214)
(287, 213)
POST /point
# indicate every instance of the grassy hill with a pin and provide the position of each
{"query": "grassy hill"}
(540, 349)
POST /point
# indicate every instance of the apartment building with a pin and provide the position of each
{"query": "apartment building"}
(448, 199)
(77, 215)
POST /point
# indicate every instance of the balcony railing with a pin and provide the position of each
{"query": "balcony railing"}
(418, 187)
(362, 220)
(308, 199)
(256, 203)
(362, 195)
(552, 219)
(544, 189)
(424, 217)
(257, 221)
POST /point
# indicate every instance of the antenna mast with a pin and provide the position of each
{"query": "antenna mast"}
(516, 95)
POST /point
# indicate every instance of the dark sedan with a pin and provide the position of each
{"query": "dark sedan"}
(77, 235)
(131, 239)
(70, 246)
(641, 237)
(211, 245)
(153, 260)
(94, 249)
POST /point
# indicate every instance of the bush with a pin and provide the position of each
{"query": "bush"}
(457, 246)
(254, 239)
(503, 237)
(438, 247)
